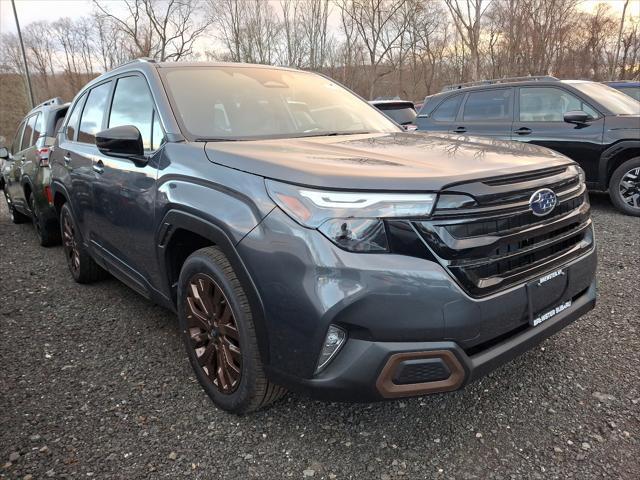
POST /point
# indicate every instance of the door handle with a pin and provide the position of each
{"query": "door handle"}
(98, 167)
(460, 130)
(67, 158)
(523, 131)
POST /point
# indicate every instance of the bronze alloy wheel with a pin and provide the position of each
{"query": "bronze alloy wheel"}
(70, 245)
(213, 333)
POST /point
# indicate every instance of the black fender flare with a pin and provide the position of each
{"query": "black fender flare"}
(608, 154)
(178, 219)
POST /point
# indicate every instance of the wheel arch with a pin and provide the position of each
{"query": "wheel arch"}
(181, 233)
(615, 156)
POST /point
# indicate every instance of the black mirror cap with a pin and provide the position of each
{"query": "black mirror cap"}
(576, 116)
(123, 141)
(4, 153)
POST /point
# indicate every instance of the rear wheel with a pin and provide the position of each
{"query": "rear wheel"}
(624, 187)
(14, 215)
(82, 267)
(216, 324)
(46, 235)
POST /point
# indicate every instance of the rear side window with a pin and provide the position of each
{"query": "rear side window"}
(447, 110)
(133, 105)
(74, 118)
(488, 105)
(28, 130)
(93, 113)
(15, 148)
(549, 104)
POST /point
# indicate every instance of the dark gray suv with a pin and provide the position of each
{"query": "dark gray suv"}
(307, 242)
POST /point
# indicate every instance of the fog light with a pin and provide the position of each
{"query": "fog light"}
(333, 341)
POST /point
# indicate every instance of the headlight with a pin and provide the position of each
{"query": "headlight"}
(352, 220)
(581, 175)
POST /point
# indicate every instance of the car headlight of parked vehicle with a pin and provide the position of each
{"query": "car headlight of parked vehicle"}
(351, 220)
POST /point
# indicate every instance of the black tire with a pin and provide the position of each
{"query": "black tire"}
(82, 267)
(252, 390)
(629, 169)
(47, 236)
(15, 216)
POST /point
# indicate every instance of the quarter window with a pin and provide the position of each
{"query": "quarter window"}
(447, 110)
(72, 124)
(93, 113)
(28, 131)
(549, 104)
(133, 105)
(488, 105)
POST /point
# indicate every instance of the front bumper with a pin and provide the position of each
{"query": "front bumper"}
(389, 304)
(363, 370)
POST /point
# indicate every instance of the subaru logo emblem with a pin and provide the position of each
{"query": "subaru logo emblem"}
(543, 201)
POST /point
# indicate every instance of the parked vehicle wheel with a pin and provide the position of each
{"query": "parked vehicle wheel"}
(624, 187)
(46, 235)
(83, 268)
(217, 328)
(14, 215)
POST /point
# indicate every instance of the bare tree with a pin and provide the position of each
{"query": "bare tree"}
(467, 17)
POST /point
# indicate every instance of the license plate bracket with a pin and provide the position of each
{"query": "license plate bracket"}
(547, 296)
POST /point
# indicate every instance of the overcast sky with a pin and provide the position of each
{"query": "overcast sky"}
(33, 10)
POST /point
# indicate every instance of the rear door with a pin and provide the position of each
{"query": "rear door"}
(540, 120)
(20, 158)
(487, 113)
(30, 162)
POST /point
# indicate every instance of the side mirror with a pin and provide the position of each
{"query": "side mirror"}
(124, 142)
(576, 116)
(4, 153)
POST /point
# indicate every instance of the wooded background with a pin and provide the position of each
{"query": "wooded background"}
(405, 48)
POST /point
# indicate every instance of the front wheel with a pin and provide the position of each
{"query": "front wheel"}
(624, 187)
(216, 324)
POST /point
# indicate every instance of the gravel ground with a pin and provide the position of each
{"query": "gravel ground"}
(94, 383)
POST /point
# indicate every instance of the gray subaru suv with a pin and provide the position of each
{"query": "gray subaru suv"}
(307, 242)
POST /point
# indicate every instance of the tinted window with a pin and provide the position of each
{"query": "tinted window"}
(72, 124)
(448, 109)
(15, 148)
(401, 115)
(28, 130)
(133, 105)
(488, 105)
(633, 92)
(37, 130)
(93, 113)
(548, 104)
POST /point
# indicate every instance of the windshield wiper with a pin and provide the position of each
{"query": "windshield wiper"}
(332, 134)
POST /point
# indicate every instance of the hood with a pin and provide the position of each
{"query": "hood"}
(389, 161)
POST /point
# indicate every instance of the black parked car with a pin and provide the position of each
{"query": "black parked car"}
(593, 124)
(306, 241)
(25, 175)
(400, 111)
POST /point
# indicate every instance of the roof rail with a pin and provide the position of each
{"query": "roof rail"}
(494, 81)
(137, 60)
(51, 101)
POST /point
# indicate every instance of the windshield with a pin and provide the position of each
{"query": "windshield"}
(610, 98)
(244, 103)
(400, 114)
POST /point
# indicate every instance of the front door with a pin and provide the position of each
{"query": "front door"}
(540, 120)
(124, 189)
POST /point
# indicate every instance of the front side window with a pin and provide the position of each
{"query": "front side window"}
(132, 105)
(447, 110)
(74, 118)
(488, 105)
(15, 148)
(549, 104)
(243, 103)
(93, 113)
(37, 129)
(28, 132)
